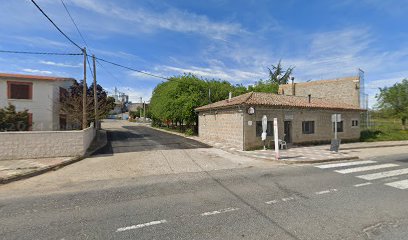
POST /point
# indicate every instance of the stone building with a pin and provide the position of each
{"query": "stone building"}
(301, 120)
(347, 90)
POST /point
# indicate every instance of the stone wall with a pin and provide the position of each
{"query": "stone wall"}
(44, 144)
(223, 126)
(323, 131)
(344, 90)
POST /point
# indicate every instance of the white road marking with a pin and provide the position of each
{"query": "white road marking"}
(362, 184)
(326, 191)
(399, 184)
(272, 202)
(384, 174)
(344, 164)
(219, 211)
(140, 225)
(288, 199)
(368, 168)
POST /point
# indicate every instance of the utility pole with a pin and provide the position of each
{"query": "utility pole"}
(141, 108)
(84, 120)
(144, 112)
(95, 95)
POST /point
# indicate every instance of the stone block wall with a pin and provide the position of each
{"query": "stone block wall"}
(345, 90)
(323, 131)
(44, 144)
(223, 126)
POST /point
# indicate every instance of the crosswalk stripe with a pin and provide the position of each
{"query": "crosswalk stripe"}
(379, 175)
(367, 168)
(399, 184)
(344, 164)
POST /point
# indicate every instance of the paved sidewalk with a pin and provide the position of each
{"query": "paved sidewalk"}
(12, 170)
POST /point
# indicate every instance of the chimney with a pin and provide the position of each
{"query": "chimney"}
(293, 86)
(310, 97)
(229, 95)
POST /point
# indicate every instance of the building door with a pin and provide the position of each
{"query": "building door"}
(287, 130)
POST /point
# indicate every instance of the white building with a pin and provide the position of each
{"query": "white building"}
(40, 95)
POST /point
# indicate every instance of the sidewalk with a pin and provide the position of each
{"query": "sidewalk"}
(308, 154)
(12, 170)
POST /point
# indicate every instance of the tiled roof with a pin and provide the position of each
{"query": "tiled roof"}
(32, 77)
(281, 101)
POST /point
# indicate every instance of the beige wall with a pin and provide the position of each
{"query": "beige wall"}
(43, 144)
(44, 104)
(343, 90)
(323, 127)
(224, 126)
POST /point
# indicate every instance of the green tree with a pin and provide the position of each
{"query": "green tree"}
(264, 86)
(11, 120)
(279, 76)
(394, 101)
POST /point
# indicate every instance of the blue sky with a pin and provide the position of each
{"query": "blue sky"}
(228, 40)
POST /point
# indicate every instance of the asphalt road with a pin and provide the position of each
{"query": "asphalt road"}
(289, 202)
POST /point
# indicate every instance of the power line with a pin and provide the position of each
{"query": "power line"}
(106, 70)
(55, 25)
(76, 26)
(41, 53)
(132, 69)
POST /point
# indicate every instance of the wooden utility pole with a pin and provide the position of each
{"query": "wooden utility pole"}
(95, 93)
(84, 120)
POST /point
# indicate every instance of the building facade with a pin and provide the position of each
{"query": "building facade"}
(345, 90)
(301, 120)
(40, 95)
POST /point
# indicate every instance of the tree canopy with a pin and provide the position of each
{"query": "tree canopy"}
(394, 101)
(71, 103)
(279, 76)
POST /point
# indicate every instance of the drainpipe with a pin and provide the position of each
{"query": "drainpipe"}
(309, 97)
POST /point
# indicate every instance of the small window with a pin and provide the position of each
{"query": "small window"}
(354, 123)
(308, 127)
(63, 93)
(269, 130)
(19, 90)
(339, 126)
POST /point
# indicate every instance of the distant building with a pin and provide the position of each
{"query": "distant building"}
(301, 119)
(346, 90)
(40, 95)
(121, 102)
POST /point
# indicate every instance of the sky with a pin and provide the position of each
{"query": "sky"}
(233, 40)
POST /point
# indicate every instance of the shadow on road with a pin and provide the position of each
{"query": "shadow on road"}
(139, 138)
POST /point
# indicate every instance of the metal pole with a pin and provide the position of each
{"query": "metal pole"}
(84, 120)
(144, 111)
(95, 93)
(335, 127)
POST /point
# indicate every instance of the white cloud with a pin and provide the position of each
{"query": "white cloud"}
(51, 63)
(170, 19)
(29, 70)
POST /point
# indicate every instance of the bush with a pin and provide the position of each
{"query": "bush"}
(367, 135)
(189, 132)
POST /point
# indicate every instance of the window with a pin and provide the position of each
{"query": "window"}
(19, 90)
(339, 126)
(354, 123)
(269, 130)
(308, 127)
(63, 93)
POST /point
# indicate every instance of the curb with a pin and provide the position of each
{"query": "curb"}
(377, 146)
(53, 167)
(321, 160)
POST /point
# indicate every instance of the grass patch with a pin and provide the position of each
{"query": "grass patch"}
(384, 129)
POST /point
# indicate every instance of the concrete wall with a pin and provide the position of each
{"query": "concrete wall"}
(344, 90)
(44, 104)
(44, 144)
(223, 126)
(322, 125)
